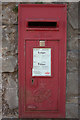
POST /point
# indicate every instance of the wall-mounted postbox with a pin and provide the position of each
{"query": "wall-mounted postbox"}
(42, 60)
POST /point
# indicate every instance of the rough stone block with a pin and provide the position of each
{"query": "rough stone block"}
(9, 63)
(0, 14)
(0, 80)
(1, 116)
(9, 103)
(79, 111)
(9, 40)
(73, 43)
(11, 97)
(73, 15)
(79, 44)
(79, 99)
(72, 61)
(71, 33)
(0, 100)
(10, 80)
(9, 16)
(71, 110)
(72, 84)
(0, 104)
(73, 99)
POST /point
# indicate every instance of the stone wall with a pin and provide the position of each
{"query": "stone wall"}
(10, 60)
(72, 61)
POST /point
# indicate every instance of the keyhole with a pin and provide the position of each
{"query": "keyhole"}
(32, 81)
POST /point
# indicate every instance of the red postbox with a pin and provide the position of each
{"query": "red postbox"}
(42, 60)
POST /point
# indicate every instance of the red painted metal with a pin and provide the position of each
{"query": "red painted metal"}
(45, 97)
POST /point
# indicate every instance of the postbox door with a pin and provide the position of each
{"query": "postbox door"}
(42, 76)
